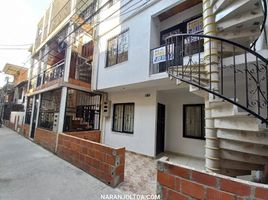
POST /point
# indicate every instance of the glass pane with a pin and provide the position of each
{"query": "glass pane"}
(112, 52)
(129, 118)
(123, 47)
(118, 117)
(193, 121)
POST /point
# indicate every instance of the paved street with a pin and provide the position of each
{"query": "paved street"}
(29, 172)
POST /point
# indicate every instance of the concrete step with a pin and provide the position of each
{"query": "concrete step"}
(244, 136)
(243, 157)
(243, 123)
(238, 165)
(238, 6)
(235, 172)
(248, 20)
(249, 148)
(219, 5)
(242, 36)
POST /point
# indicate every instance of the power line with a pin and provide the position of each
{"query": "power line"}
(87, 19)
(91, 16)
(84, 3)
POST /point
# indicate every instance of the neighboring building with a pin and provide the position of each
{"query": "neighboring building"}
(59, 97)
(13, 96)
(151, 114)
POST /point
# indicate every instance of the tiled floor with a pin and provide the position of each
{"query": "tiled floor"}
(140, 171)
(140, 174)
(193, 162)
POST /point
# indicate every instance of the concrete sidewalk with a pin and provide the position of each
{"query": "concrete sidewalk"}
(29, 172)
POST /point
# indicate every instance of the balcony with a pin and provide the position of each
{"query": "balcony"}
(54, 73)
(187, 49)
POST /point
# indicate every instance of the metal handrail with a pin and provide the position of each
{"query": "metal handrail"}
(243, 84)
(263, 23)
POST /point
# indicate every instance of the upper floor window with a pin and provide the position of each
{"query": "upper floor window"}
(117, 49)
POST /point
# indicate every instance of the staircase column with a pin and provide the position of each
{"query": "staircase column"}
(211, 65)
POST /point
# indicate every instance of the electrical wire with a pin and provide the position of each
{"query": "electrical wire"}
(77, 28)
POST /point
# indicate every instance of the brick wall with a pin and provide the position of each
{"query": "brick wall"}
(79, 83)
(24, 130)
(45, 138)
(87, 135)
(105, 163)
(9, 124)
(180, 182)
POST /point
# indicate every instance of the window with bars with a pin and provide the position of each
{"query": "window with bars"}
(49, 110)
(123, 118)
(29, 110)
(117, 49)
(194, 121)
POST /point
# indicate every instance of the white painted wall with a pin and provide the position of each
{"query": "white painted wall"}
(174, 140)
(143, 139)
(143, 35)
(19, 118)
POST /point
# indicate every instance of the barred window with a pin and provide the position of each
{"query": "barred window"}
(117, 49)
(123, 118)
(49, 110)
(29, 110)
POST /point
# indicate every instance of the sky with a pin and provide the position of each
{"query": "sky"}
(18, 19)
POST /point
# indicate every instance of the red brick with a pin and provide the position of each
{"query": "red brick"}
(213, 194)
(204, 178)
(110, 159)
(166, 179)
(235, 187)
(193, 189)
(178, 184)
(120, 170)
(261, 193)
(95, 163)
(100, 155)
(164, 193)
(176, 196)
(178, 171)
(91, 153)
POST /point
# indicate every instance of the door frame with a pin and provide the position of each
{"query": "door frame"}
(163, 137)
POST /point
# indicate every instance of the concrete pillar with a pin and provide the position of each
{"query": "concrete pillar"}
(211, 65)
(68, 54)
(38, 109)
(61, 116)
(62, 109)
(31, 121)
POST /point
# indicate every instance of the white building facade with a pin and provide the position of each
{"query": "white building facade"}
(151, 111)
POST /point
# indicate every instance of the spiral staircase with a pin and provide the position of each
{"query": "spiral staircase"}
(223, 68)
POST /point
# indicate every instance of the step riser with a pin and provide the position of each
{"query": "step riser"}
(259, 150)
(244, 124)
(243, 157)
(242, 136)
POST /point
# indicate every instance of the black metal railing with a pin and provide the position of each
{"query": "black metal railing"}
(225, 69)
(83, 69)
(54, 72)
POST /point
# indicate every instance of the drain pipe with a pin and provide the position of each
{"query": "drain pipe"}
(212, 153)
